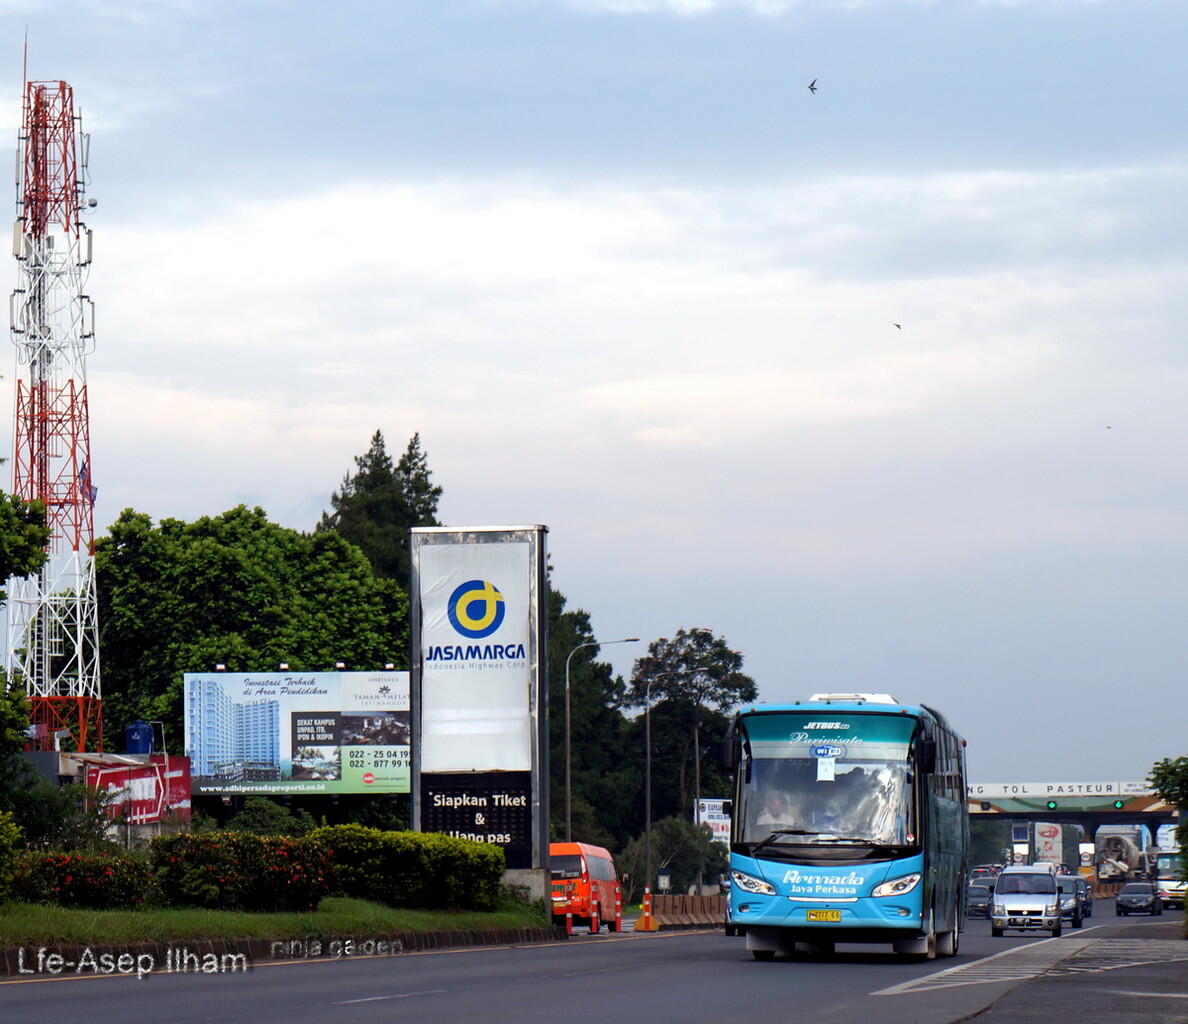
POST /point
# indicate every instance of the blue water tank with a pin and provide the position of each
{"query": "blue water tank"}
(138, 738)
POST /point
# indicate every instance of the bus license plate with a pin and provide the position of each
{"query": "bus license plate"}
(824, 915)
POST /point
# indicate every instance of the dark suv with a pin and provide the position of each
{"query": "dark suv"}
(977, 899)
(1071, 905)
(1138, 898)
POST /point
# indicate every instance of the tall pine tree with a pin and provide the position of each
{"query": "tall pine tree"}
(375, 508)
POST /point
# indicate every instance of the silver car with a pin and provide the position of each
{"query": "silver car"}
(1026, 899)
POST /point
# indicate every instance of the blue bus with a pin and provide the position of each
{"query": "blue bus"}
(850, 824)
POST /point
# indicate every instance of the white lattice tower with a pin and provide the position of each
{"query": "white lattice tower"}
(53, 625)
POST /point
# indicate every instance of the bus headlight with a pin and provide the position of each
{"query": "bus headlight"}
(1051, 909)
(749, 883)
(897, 886)
(999, 910)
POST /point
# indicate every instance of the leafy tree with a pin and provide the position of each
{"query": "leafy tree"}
(605, 786)
(23, 537)
(264, 817)
(48, 816)
(377, 506)
(679, 846)
(233, 589)
(692, 671)
(1169, 778)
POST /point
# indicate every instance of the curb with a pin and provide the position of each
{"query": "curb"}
(223, 956)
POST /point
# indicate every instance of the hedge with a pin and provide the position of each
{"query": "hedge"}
(412, 869)
(108, 880)
(240, 871)
(10, 837)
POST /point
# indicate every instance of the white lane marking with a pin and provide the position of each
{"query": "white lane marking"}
(1051, 957)
(1145, 995)
(1015, 964)
(398, 995)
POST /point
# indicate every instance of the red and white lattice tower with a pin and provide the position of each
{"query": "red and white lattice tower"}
(53, 627)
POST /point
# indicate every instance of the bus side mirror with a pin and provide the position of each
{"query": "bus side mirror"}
(728, 753)
(624, 878)
(928, 756)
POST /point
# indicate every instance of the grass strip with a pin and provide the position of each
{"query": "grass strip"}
(27, 924)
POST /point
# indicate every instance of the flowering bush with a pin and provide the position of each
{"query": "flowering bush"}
(95, 880)
(240, 871)
(412, 869)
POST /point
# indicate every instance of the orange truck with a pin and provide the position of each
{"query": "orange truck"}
(585, 884)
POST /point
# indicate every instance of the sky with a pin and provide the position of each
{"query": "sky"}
(885, 383)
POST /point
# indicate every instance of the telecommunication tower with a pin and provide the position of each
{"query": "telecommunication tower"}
(53, 626)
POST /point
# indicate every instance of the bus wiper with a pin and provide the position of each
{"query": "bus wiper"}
(829, 837)
(784, 832)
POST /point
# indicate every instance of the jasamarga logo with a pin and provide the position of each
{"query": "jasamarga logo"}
(476, 652)
(476, 609)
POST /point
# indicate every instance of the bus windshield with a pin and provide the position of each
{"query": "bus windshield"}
(565, 865)
(1167, 867)
(826, 780)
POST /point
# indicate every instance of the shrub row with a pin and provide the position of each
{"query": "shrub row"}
(412, 869)
(10, 836)
(241, 871)
(98, 881)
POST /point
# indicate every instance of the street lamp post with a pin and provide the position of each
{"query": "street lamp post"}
(568, 759)
(648, 787)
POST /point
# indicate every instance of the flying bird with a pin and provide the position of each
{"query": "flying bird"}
(812, 87)
(898, 326)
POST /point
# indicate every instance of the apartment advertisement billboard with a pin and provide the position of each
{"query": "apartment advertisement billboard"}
(480, 763)
(297, 732)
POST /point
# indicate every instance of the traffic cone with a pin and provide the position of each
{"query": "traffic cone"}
(646, 922)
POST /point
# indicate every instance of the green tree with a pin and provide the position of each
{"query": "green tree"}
(1169, 778)
(264, 817)
(234, 589)
(605, 785)
(377, 506)
(23, 537)
(678, 846)
(693, 671)
(47, 816)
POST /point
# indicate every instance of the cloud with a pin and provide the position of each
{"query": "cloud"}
(621, 338)
(779, 8)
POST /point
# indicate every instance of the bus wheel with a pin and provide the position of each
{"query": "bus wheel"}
(995, 932)
(763, 954)
(947, 942)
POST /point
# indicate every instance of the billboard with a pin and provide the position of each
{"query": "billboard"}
(297, 732)
(143, 794)
(1049, 843)
(479, 696)
(715, 814)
